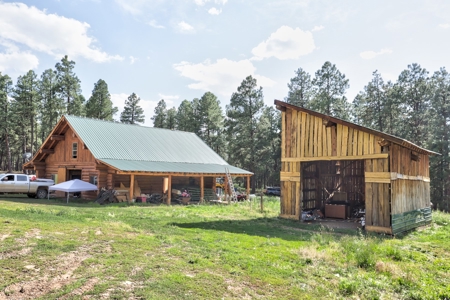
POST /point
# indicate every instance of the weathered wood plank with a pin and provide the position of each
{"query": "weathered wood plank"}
(353, 157)
(303, 137)
(283, 134)
(344, 151)
(339, 140)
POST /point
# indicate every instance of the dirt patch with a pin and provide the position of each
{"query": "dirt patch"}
(88, 286)
(16, 254)
(59, 274)
(4, 237)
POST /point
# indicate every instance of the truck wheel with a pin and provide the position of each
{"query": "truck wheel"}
(41, 194)
(31, 195)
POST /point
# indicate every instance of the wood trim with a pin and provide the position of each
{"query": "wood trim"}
(131, 187)
(57, 137)
(379, 229)
(329, 158)
(377, 177)
(288, 178)
(291, 217)
(395, 176)
(47, 151)
(289, 173)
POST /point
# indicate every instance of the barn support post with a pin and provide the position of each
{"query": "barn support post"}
(131, 188)
(202, 189)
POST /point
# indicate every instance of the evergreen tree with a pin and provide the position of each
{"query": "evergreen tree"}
(184, 117)
(243, 113)
(196, 116)
(171, 121)
(51, 106)
(330, 86)
(5, 90)
(24, 107)
(377, 106)
(132, 112)
(211, 120)
(99, 104)
(268, 146)
(160, 115)
(440, 140)
(300, 89)
(68, 84)
(415, 93)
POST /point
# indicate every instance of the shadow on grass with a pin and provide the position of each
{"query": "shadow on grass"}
(268, 227)
(77, 202)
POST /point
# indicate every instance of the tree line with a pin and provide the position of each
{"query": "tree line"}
(247, 133)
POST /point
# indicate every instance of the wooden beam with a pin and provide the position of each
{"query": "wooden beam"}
(47, 151)
(169, 192)
(248, 188)
(330, 158)
(291, 217)
(202, 189)
(378, 229)
(57, 137)
(377, 177)
(131, 187)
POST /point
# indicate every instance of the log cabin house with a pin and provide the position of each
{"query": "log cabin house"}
(130, 158)
(339, 167)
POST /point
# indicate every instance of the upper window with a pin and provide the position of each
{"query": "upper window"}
(74, 150)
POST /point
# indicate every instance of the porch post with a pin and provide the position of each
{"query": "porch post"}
(131, 187)
(202, 188)
(248, 187)
(169, 191)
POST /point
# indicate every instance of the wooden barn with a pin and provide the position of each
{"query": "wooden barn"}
(341, 168)
(131, 158)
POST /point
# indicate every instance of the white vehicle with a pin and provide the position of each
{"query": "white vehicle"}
(24, 184)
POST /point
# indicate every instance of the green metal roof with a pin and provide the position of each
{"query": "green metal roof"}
(139, 148)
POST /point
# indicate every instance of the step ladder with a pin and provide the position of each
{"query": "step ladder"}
(231, 186)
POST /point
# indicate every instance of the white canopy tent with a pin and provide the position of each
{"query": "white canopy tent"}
(72, 186)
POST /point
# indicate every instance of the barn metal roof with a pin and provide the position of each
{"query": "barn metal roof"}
(147, 149)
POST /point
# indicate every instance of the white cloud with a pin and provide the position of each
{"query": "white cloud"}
(185, 27)
(445, 26)
(131, 6)
(373, 54)
(214, 11)
(19, 62)
(201, 2)
(317, 28)
(155, 24)
(222, 76)
(48, 33)
(147, 105)
(132, 59)
(285, 43)
(168, 97)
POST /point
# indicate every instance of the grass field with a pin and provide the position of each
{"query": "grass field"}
(51, 250)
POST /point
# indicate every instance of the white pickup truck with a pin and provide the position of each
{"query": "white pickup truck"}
(24, 184)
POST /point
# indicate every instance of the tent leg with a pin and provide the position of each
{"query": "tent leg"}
(67, 198)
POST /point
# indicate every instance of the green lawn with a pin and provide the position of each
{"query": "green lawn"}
(51, 250)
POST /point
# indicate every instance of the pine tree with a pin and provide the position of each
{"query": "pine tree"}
(51, 106)
(99, 104)
(5, 91)
(160, 115)
(330, 86)
(184, 117)
(171, 121)
(243, 113)
(414, 91)
(440, 139)
(377, 106)
(300, 89)
(24, 107)
(211, 120)
(68, 84)
(132, 112)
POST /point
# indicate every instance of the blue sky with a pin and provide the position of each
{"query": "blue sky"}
(176, 50)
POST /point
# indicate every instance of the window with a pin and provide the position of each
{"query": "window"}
(93, 179)
(22, 178)
(74, 150)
